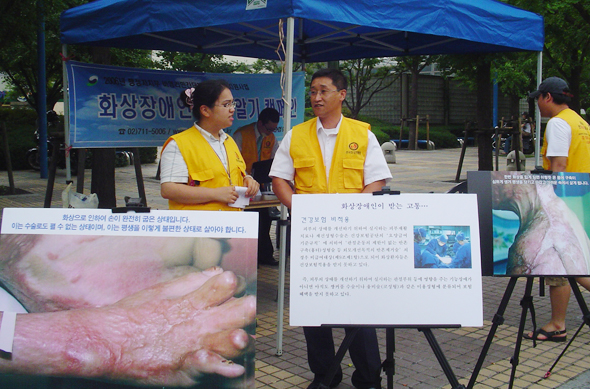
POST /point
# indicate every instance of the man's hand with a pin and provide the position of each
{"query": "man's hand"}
(171, 334)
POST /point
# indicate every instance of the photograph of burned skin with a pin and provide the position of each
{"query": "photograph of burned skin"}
(547, 237)
(143, 311)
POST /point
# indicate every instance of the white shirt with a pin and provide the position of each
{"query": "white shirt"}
(375, 167)
(559, 138)
(238, 139)
(173, 168)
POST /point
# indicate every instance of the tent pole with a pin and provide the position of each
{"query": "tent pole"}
(283, 226)
(538, 113)
(66, 112)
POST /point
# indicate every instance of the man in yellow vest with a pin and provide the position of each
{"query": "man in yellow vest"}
(257, 142)
(332, 154)
(566, 148)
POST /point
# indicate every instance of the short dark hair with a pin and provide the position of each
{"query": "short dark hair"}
(337, 77)
(206, 93)
(269, 115)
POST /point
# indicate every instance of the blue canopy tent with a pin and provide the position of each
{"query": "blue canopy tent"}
(324, 30)
(316, 30)
(309, 31)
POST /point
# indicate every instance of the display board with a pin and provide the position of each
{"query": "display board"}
(117, 296)
(114, 106)
(533, 224)
(367, 260)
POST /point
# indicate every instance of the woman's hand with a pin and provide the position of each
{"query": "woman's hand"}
(226, 194)
(252, 185)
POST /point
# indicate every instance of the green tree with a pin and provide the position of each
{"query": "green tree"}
(414, 65)
(18, 49)
(366, 77)
(566, 52)
(198, 62)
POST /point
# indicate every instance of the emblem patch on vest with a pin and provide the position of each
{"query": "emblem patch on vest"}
(353, 146)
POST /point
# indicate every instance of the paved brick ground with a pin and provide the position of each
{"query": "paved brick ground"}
(415, 364)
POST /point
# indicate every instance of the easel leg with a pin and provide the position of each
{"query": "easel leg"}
(442, 360)
(586, 321)
(526, 303)
(496, 321)
(461, 158)
(348, 338)
(389, 362)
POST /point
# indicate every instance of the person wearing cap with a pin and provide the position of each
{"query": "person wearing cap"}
(419, 236)
(566, 148)
(434, 251)
(459, 240)
(462, 250)
(257, 142)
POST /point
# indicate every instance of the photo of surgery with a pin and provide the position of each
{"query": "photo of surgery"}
(442, 247)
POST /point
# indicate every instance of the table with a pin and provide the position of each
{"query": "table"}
(267, 201)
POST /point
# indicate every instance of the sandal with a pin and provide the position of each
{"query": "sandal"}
(550, 336)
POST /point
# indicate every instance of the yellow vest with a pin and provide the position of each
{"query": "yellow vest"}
(348, 161)
(205, 169)
(249, 148)
(578, 158)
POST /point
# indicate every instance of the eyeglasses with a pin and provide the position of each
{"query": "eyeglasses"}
(314, 93)
(229, 104)
(270, 129)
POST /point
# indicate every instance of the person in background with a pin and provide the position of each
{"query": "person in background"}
(434, 251)
(462, 250)
(459, 241)
(257, 142)
(419, 236)
(566, 148)
(312, 156)
(527, 128)
(201, 166)
(509, 124)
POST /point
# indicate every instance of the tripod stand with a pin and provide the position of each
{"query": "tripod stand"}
(585, 321)
(389, 364)
(527, 304)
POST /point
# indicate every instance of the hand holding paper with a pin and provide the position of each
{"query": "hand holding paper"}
(242, 200)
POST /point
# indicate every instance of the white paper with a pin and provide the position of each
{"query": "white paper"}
(7, 327)
(81, 221)
(242, 201)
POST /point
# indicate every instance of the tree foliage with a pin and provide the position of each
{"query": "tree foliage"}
(566, 53)
(366, 77)
(18, 47)
(198, 62)
(18, 51)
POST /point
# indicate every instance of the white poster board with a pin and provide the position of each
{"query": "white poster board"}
(353, 262)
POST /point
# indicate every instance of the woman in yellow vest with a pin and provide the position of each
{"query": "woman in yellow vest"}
(201, 166)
